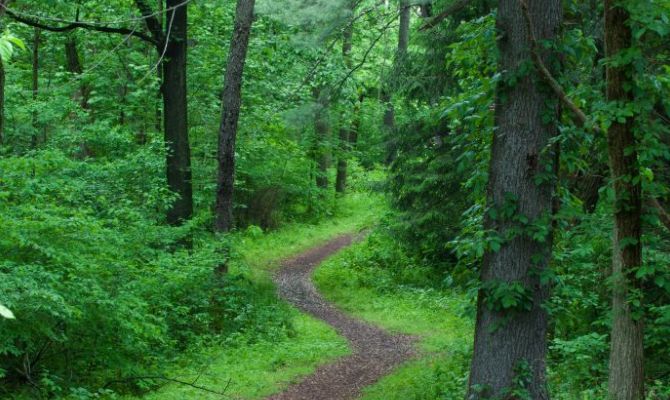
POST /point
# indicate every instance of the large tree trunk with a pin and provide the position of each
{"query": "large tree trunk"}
(626, 369)
(231, 102)
(510, 340)
(175, 107)
(345, 132)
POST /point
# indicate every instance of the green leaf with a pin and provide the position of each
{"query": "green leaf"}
(6, 312)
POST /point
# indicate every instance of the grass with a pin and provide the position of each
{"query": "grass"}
(252, 370)
(368, 291)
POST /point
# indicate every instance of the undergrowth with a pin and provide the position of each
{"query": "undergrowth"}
(376, 281)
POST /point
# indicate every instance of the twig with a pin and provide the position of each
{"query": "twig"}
(164, 378)
(365, 55)
(332, 44)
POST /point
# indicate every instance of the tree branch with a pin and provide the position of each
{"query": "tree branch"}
(453, 8)
(151, 20)
(365, 55)
(78, 25)
(662, 214)
(579, 115)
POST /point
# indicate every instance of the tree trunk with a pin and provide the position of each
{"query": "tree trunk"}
(159, 75)
(2, 102)
(231, 102)
(403, 33)
(398, 66)
(510, 340)
(3, 4)
(626, 368)
(426, 10)
(322, 131)
(35, 82)
(175, 107)
(74, 67)
(345, 132)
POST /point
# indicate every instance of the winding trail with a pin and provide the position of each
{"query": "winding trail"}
(375, 351)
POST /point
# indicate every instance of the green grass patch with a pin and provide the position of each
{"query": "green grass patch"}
(359, 281)
(256, 370)
(250, 365)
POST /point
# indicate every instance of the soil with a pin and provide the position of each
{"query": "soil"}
(375, 352)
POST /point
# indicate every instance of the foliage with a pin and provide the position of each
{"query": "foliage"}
(376, 281)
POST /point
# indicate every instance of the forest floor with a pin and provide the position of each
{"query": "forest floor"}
(375, 351)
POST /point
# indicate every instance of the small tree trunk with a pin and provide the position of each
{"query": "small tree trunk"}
(426, 10)
(175, 107)
(510, 341)
(35, 82)
(322, 131)
(3, 4)
(403, 33)
(231, 102)
(159, 75)
(74, 66)
(398, 63)
(345, 134)
(626, 368)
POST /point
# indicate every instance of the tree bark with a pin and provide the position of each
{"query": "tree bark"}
(426, 10)
(626, 367)
(231, 103)
(322, 132)
(3, 4)
(74, 67)
(345, 132)
(159, 75)
(35, 81)
(403, 32)
(175, 107)
(398, 63)
(510, 342)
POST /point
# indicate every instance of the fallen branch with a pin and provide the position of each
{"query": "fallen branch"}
(164, 378)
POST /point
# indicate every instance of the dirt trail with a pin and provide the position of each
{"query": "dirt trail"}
(375, 351)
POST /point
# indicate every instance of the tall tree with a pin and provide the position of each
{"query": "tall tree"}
(626, 369)
(231, 102)
(3, 5)
(35, 81)
(510, 335)
(345, 131)
(75, 66)
(171, 45)
(322, 134)
(175, 106)
(398, 62)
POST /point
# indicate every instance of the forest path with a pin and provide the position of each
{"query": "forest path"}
(375, 351)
